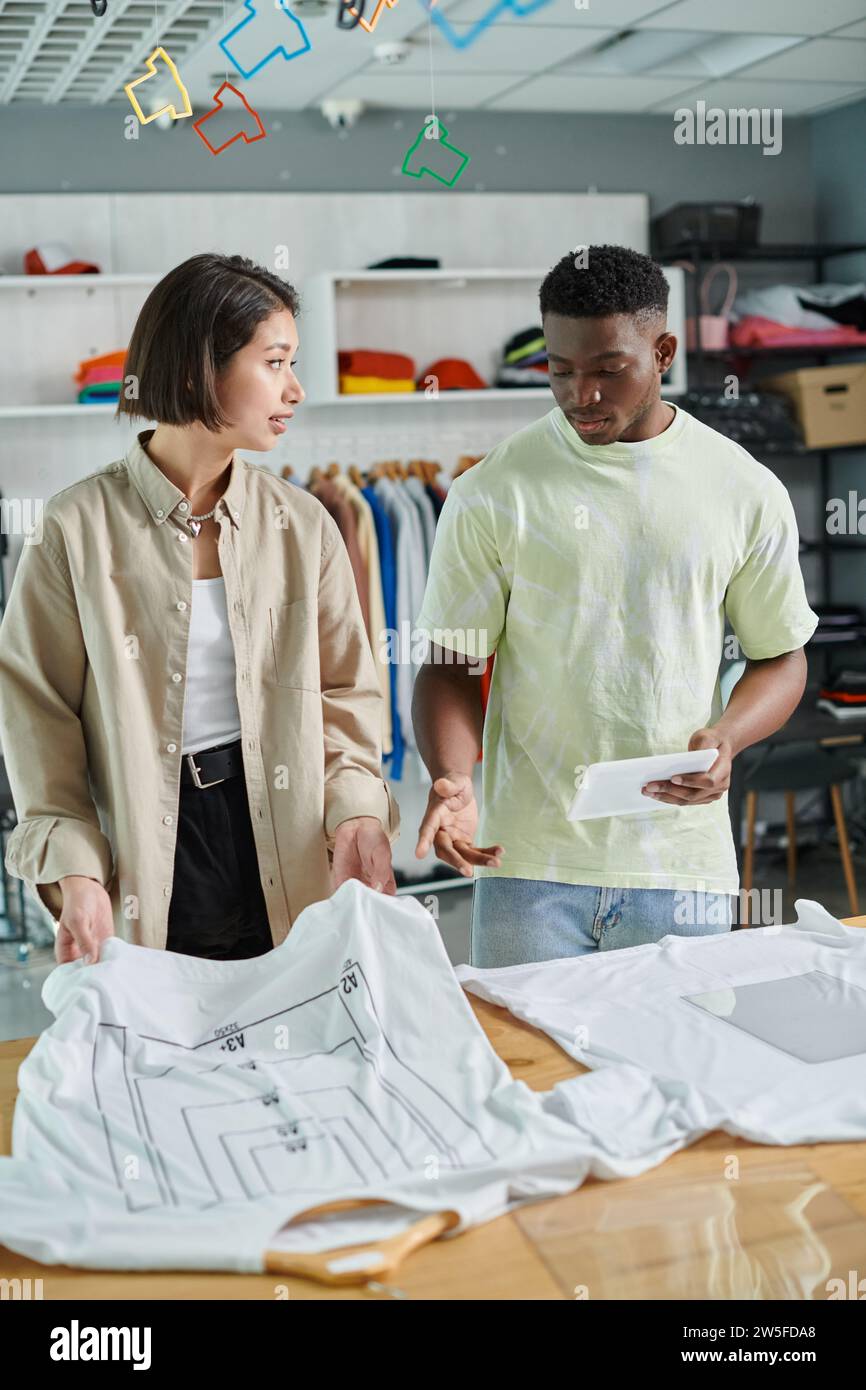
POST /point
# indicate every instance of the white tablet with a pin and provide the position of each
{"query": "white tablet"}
(614, 788)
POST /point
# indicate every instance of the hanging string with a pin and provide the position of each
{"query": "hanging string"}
(430, 4)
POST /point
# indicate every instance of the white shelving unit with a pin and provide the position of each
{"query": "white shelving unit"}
(39, 412)
(430, 314)
(55, 321)
(426, 314)
(36, 283)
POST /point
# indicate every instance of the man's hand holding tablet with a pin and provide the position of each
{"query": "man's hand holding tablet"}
(693, 789)
(631, 785)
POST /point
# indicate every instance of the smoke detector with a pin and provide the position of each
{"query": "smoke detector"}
(341, 115)
(390, 55)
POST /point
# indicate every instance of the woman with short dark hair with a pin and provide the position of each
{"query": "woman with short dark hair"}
(188, 698)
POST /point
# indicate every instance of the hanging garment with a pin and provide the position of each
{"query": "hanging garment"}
(417, 493)
(340, 509)
(411, 578)
(385, 538)
(437, 496)
(180, 1112)
(766, 1025)
(368, 545)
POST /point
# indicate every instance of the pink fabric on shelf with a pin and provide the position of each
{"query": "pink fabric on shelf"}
(93, 375)
(756, 332)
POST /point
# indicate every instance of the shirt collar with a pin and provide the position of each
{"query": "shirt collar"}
(160, 494)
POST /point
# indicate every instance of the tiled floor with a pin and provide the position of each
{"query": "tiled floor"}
(22, 1013)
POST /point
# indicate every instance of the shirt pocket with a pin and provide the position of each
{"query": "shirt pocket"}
(295, 644)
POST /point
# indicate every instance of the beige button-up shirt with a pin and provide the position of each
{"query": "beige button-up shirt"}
(93, 650)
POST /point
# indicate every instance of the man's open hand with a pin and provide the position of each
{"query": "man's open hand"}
(450, 823)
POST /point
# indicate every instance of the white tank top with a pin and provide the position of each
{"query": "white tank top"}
(210, 711)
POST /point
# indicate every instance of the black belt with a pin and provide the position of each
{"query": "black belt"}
(212, 765)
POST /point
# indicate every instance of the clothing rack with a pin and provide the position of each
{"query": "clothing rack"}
(387, 514)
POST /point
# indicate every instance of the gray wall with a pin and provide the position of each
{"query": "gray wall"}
(83, 149)
(813, 188)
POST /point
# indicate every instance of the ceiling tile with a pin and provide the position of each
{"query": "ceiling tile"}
(827, 60)
(852, 31)
(505, 49)
(793, 98)
(566, 92)
(606, 13)
(683, 54)
(412, 91)
(757, 16)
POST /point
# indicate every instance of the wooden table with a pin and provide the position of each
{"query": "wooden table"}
(722, 1219)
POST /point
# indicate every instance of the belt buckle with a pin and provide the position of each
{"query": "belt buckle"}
(190, 757)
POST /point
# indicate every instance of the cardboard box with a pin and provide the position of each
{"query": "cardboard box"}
(829, 402)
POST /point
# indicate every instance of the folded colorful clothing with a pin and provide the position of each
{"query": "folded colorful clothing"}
(754, 331)
(367, 362)
(107, 359)
(93, 375)
(372, 385)
(98, 394)
(452, 374)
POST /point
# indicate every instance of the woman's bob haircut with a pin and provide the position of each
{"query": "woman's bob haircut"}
(191, 323)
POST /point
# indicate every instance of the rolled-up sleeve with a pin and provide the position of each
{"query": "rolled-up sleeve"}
(351, 700)
(42, 667)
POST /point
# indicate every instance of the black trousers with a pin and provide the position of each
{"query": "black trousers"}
(217, 905)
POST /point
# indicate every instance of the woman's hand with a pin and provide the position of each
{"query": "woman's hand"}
(85, 921)
(362, 850)
(450, 823)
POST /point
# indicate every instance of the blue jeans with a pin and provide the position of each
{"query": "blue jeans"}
(517, 920)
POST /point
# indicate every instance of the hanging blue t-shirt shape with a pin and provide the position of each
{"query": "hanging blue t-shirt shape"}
(264, 35)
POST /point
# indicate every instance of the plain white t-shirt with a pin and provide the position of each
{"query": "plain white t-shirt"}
(210, 711)
(767, 1026)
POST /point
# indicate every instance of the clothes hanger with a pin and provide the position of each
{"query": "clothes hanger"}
(332, 470)
(466, 461)
(355, 475)
(356, 1264)
(287, 471)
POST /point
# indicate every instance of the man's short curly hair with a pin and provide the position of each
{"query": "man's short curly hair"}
(615, 280)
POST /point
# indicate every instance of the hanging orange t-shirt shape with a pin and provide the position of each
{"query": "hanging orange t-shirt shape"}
(232, 117)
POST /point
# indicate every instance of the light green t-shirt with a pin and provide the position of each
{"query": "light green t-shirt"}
(601, 577)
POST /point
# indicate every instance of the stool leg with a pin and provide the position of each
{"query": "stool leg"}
(749, 856)
(842, 831)
(792, 839)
